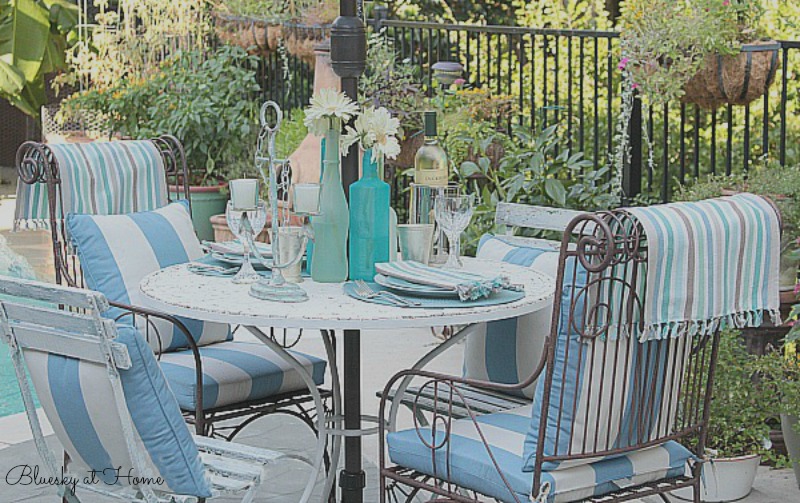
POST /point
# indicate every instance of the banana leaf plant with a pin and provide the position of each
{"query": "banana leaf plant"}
(34, 36)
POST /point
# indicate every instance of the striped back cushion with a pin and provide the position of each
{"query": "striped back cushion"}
(79, 402)
(117, 251)
(606, 393)
(507, 351)
(99, 178)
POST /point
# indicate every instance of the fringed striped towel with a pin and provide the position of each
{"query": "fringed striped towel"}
(710, 264)
(468, 285)
(99, 178)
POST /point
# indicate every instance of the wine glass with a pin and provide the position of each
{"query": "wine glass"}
(246, 225)
(453, 214)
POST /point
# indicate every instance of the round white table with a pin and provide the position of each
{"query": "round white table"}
(180, 292)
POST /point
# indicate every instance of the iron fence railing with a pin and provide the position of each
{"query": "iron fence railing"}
(571, 77)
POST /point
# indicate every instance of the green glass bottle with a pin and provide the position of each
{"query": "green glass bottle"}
(369, 220)
(329, 262)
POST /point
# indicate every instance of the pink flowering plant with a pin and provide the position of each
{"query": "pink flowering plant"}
(664, 42)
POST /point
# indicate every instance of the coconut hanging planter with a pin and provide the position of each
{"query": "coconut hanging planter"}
(258, 36)
(301, 39)
(736, 80)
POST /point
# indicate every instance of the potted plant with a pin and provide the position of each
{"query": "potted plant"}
(704, 52)
(208, 101)
(254, 25)
(737, 432)
(782, 185)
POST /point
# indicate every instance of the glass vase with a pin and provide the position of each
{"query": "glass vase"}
(329, 262)
(369, 220)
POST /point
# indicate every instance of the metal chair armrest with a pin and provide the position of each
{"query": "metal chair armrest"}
(236, 451)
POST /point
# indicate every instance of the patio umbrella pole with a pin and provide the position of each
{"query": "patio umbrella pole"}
(348, 58)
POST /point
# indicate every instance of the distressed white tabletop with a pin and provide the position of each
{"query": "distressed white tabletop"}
(180, 292)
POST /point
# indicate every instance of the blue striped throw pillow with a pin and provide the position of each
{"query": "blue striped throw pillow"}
(507, 351)
(117, 251)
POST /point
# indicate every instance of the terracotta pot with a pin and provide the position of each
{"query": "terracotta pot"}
(735, 80)
(222, 233)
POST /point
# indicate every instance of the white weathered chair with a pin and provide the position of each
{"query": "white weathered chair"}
(505, 351)
(110, 407)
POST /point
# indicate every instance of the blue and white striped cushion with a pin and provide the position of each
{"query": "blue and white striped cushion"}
(117, 251)
(79, 403)
(577, 380)
(507, 351)
(471, 467)
(236, 372)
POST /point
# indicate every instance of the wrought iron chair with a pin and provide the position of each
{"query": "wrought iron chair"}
(610, 412)
(107, 400)
(37, 165)
(489, 346)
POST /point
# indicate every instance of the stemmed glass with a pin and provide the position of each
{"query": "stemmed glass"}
(453, 214)
(246, 225)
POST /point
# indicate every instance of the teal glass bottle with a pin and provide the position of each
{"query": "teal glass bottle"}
(329, 262)
(369, 220)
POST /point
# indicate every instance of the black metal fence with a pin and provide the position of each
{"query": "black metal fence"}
(571, 77)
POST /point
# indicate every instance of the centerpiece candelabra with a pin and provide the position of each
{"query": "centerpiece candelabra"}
(306, 203)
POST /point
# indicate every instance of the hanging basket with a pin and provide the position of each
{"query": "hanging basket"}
(258, 36)
(735, 80)
(302, 39)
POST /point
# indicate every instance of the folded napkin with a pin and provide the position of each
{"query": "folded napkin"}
(710, 264)
(469, 286)
(236, 248)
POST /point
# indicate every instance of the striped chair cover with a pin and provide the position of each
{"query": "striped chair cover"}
(507, 351)
(100, 178)
(78, 399)
(468, 464)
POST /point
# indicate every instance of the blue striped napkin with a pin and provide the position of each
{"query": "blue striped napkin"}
(469, 286)
(710, 264)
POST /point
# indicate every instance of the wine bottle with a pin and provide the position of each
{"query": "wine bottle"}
(430, 163)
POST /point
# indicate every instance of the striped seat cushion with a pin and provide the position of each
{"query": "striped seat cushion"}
(236, 372)
(470, 465)
(78, 400)
(117, 251)
(507, 351)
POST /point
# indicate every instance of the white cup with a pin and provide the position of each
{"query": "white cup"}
(244, 194)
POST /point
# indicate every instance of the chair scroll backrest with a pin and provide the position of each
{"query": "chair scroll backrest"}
(603, 392)
(94, 178)
(73, 359)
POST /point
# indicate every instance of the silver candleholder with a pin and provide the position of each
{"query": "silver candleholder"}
(276, 288)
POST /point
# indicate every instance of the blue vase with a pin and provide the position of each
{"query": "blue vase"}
(329, 262)
(369, 220)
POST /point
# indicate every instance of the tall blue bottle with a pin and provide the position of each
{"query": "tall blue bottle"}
(369, 220)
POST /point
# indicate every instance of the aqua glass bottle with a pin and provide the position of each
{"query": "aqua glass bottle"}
(329, 262)
(369, 220)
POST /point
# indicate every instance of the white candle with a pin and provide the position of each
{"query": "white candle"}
(244, 194)
(306, 198)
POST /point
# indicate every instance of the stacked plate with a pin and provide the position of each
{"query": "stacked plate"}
(232, 252)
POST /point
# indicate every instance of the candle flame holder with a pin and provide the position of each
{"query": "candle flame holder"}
(276, 288)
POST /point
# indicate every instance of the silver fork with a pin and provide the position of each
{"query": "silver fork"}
(364, 290)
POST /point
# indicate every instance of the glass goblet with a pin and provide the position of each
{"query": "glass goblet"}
(453, 214)
(246, 225)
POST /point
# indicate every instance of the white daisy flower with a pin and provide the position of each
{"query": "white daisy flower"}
(326, 107)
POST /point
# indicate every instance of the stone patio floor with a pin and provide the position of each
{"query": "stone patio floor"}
(383, 353)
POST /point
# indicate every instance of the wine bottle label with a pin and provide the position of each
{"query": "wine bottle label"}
(431, 177)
